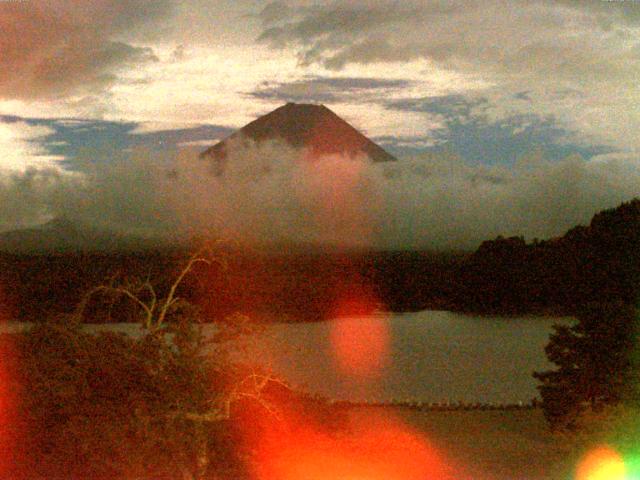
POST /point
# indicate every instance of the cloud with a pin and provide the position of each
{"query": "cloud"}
(471, 129)
(576, 62)
(271, 194)
(21, 149)
(452, 107)
(532, 36)
(207, 64)
(539, 47)
(274, 12)
(338, 33)
(200, 135)
(58, 48)
(74, 144)
(155, 127)
(329, 89)
(27, 197)
(199, 143)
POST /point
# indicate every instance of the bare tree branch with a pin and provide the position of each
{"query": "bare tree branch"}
(196, 258)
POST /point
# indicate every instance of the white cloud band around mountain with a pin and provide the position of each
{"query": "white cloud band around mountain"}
(269, 194)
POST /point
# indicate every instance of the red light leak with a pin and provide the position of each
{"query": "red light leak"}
(601, 463)
(9, 394)
(359, 339)
(8, 404)
(299, 443)
(340, 200)
(382, 448)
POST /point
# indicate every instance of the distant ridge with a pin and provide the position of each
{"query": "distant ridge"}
(62, 235)
(304, 125)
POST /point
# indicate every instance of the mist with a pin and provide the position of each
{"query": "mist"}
(273, 194)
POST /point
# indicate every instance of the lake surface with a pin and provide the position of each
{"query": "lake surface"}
(428, 356)
(432, 356)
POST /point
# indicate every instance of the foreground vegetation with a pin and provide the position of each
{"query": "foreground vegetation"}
(158, 406)
(112, 406)
(79, 405)
(167, 404)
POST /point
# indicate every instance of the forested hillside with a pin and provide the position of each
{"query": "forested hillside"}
(598, 262)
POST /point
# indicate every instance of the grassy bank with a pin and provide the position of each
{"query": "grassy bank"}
(489, 444)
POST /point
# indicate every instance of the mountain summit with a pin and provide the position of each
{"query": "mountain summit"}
(302, 125)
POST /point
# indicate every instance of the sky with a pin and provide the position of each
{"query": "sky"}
(508, 117)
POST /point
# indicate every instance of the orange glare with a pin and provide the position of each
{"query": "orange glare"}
(7, 404)
(339, 199)
(601, 463)
(359, 339)
(378, 449)
(9, 390)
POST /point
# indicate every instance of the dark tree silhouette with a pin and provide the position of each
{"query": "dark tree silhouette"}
(108, 405)
(594, 361)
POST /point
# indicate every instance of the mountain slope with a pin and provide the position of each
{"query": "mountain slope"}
(63, 235)
(314, 127)
(595, 263)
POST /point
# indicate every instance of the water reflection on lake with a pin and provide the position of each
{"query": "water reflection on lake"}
(433, 356)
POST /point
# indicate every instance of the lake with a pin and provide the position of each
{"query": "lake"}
(427, 356)
(432, 356)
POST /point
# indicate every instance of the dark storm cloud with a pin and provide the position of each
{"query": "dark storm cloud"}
(327, 90)
(369, 50)
(59, 47)
(274, 13)
(522, 96)
(499, 48)
(344, 30)
(608, 10)
(488, 36)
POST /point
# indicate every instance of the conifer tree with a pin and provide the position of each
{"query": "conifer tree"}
(594, 360)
